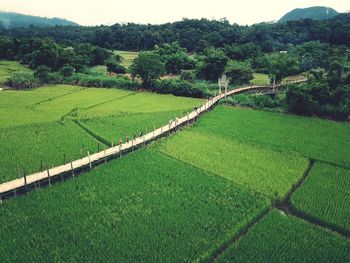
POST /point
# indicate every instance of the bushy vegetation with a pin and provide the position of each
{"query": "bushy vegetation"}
(180, 88)
(326, 94)
(22, 80)
(311, 137)
(242, 163)
(281, 238)
(102, 81)
(325, 196)
(145, 207)
(9, 67)
(257, 101)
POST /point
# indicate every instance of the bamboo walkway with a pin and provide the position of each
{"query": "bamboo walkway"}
(111, 152)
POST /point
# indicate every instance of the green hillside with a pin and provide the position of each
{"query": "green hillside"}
(315, 13)
(10, 20)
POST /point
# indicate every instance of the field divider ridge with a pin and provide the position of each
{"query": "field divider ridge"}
(287, 207)
(24, 183)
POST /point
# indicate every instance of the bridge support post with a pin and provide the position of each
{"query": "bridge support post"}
(71, 167)
(90, 165)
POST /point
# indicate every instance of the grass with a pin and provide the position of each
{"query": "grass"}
(280, 238)
(8, 67)
(28, 146)
(260, 79)
(325, 195)
(310, 137)
(145, 207)
(269, 172)
(128, 57)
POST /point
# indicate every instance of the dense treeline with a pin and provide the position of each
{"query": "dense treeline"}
(36, 52)
(196, 35)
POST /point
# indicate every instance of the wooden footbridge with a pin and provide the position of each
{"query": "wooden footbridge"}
(71, 169)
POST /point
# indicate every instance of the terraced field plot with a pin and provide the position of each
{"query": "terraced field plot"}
(113, 128)
(128, 57)
(280, 238)
(18, 108)
(260, 79)
(28, 146)
(142, 102)
(143, 207)
(30, 122)
(325, 196)
(311, 137)
(269, 172)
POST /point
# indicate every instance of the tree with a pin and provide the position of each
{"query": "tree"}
(212, 64)
(67, 70)
(114, 66)
(239, 72)
(281, 65)
(42, 73)
(46, 55)
(148, 66)
(175, 58)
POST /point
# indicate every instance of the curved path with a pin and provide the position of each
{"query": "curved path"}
(88, 161)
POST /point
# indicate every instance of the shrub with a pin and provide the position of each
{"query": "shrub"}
(188, 75)
(114, 66)
(102, 81)
(178, 88)
(22, 80)
(239, 72)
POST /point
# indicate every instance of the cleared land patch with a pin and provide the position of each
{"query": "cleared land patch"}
(128, 57)
(144, 207)
(280, 238)
(311, 137)
(260, 79)
(325, 195)
(267, 171)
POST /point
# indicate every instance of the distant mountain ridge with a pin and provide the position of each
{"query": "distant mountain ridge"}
(315, 13)
(10, 20)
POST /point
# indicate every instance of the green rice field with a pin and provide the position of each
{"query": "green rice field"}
(281, 238)
(310, 137)
(39, 122)
(266, 171)
(325, 195)
(145, 207)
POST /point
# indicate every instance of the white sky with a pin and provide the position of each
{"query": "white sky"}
(88, 12)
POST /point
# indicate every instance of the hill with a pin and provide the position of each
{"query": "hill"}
(315, 13)
(10, 20)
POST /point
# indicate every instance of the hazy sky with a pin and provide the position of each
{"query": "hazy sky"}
(96, 12)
